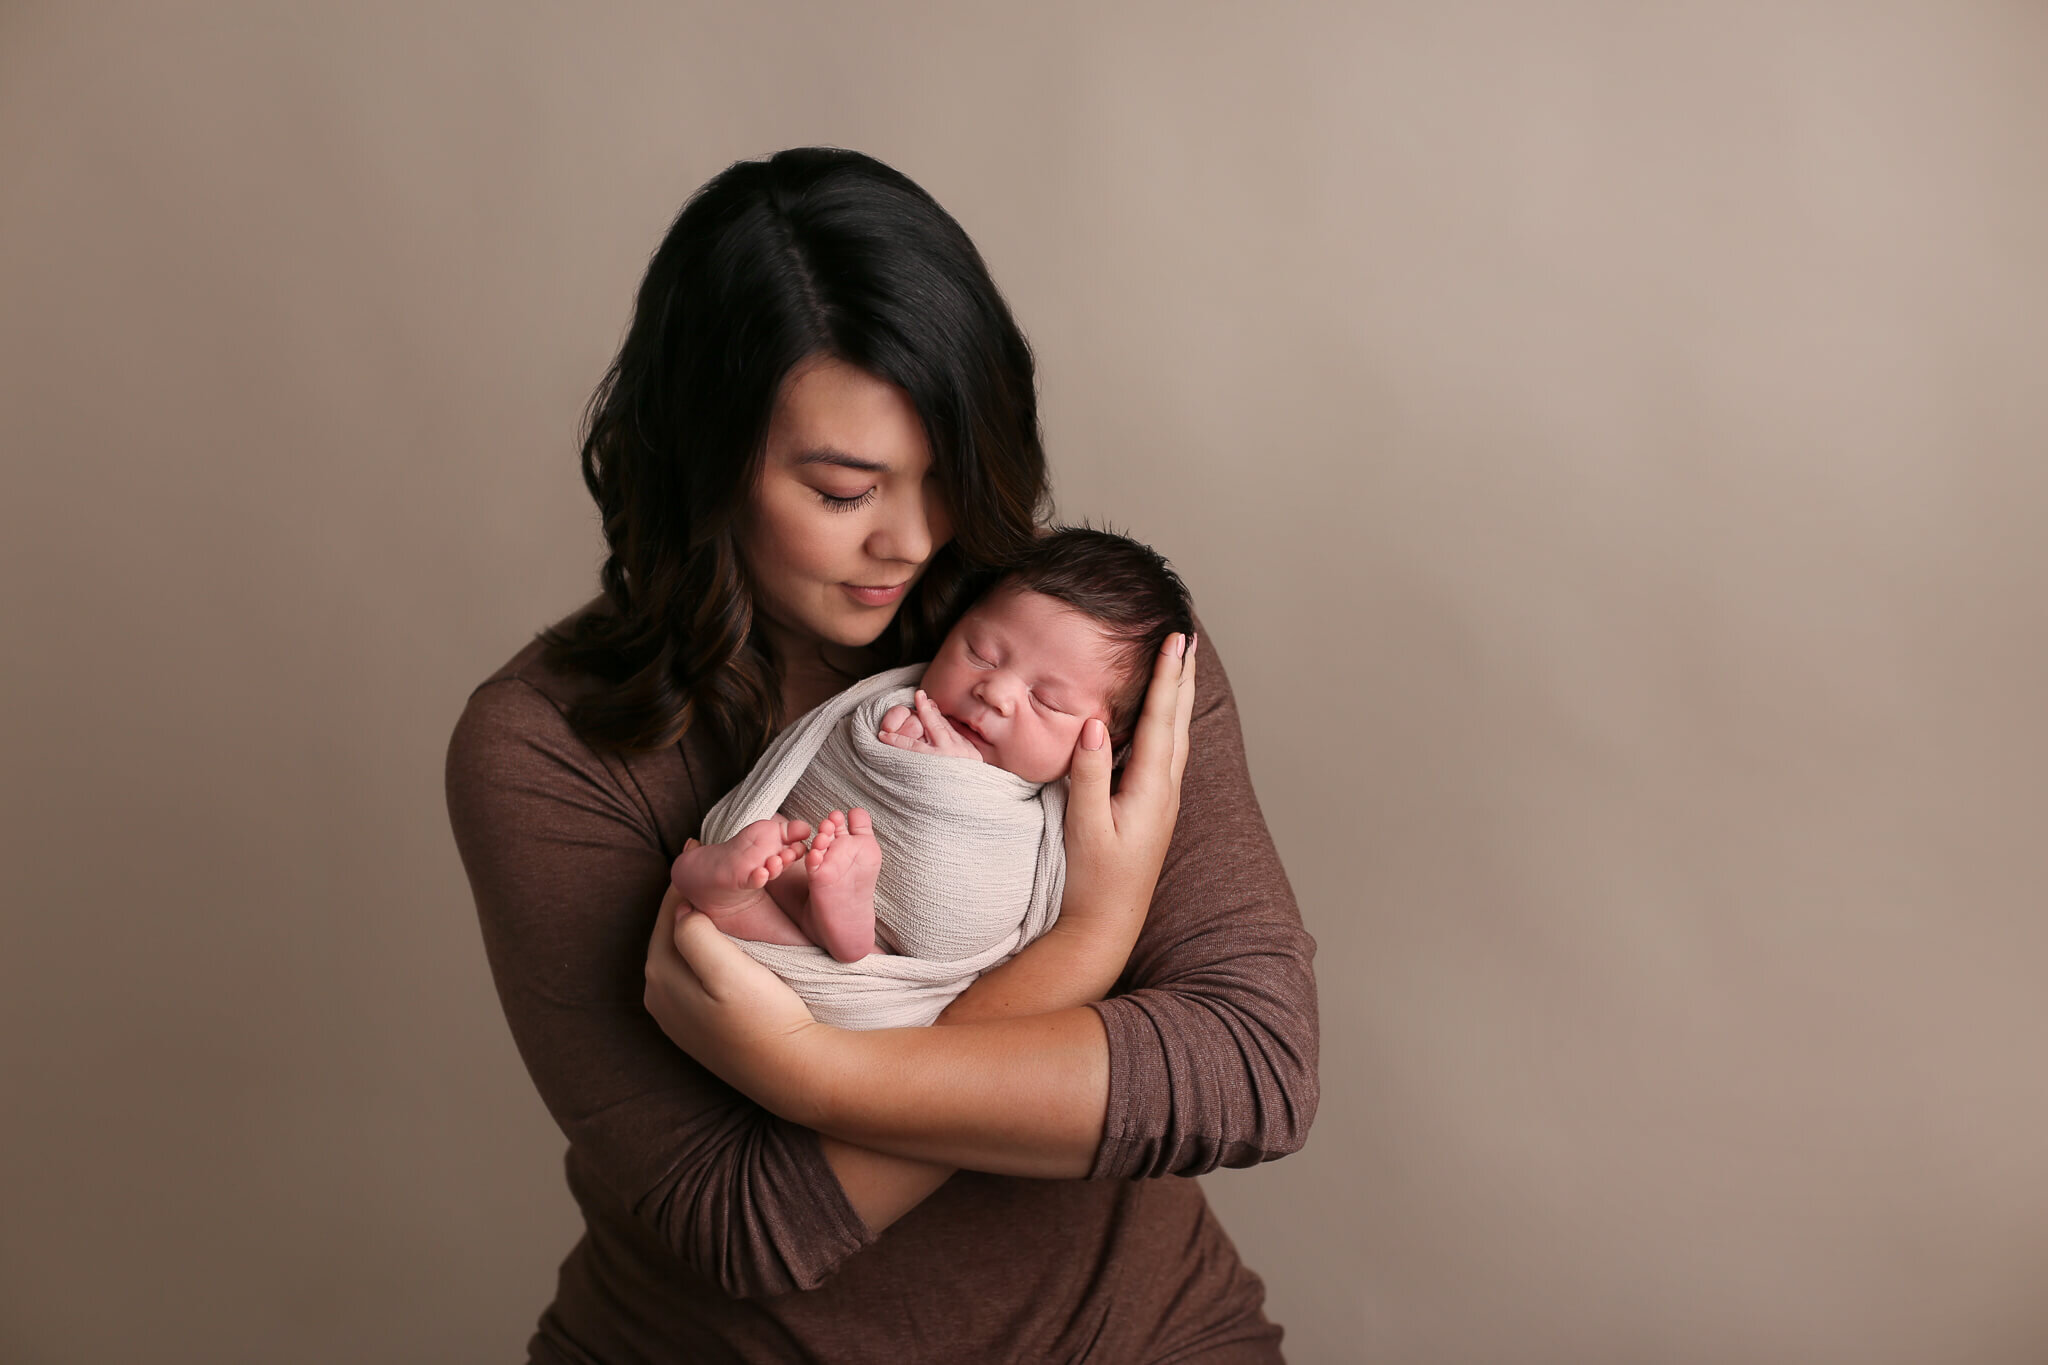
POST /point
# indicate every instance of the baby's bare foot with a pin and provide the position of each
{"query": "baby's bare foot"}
(842, 864)
(723, 879)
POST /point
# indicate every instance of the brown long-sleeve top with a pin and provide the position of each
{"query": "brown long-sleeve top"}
(716, 1231)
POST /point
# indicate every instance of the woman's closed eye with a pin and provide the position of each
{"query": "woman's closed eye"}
(848, 503)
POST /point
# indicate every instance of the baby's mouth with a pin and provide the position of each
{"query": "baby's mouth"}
(973, 734)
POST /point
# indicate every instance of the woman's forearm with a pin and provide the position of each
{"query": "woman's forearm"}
(1059, 970)
(1070, 964)
(881, 1188)
(1023, 1096)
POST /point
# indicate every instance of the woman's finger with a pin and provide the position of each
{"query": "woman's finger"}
(663, 937)
(1152, 742)
(737, 1018)
(1184, 710)
(721, 966)
(666, 972)
(1088, 781)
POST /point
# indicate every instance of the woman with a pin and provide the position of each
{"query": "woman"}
(820, 437)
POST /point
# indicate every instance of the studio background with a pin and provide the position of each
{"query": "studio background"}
(1607, 446)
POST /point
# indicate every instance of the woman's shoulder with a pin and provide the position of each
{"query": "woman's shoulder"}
(515, 731)
(532, 674)
(522, 710)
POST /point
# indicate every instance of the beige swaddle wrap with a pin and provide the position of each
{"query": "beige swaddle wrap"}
(973, 858)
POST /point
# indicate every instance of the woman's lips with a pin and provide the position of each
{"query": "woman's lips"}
(876, 596)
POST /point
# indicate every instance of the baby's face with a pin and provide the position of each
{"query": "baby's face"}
(1018, 676)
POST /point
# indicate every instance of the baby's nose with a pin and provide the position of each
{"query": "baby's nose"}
(997, 699)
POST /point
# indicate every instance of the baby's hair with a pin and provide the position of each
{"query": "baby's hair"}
(1125, 587)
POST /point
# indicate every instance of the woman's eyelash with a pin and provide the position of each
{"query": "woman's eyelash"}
(839, 504)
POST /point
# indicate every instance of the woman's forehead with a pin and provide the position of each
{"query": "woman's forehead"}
(830, 412)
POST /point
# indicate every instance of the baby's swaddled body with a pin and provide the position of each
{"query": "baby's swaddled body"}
(896, 842)
(961, 841)
(973, 858)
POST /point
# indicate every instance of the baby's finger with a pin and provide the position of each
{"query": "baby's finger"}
(907, 726)
(935, 723)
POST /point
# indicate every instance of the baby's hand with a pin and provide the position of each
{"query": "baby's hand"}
(925, 732)
(900, 722)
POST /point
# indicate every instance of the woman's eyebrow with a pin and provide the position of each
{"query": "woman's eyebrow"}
(829, 455)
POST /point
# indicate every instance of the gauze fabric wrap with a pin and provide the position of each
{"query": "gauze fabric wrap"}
(973, 857)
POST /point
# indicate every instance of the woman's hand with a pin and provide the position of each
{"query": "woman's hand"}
(1116, 840)
(737, 1018)
(1116, 845)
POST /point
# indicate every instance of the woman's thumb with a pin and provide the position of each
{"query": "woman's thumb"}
(1088, 779)
(704, 951)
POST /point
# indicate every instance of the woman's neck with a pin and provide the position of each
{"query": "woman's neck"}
(813, 669)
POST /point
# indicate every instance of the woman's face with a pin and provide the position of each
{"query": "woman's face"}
(847, 512)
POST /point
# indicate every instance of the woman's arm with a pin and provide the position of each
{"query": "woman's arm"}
(1208, 1057)
(568, 860)
(1014, 1096)
(1115, 842)
(1117, 838)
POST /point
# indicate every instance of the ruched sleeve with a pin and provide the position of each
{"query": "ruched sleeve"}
(568, 861)
(1212, 1032)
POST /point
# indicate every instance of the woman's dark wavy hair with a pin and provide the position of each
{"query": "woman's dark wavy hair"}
(811, 252)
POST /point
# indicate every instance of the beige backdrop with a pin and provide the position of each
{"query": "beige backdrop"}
(1633, 414)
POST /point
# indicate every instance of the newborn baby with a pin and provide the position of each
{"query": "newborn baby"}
(1068, 636)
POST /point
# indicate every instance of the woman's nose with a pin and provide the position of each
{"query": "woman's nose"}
(916, 529)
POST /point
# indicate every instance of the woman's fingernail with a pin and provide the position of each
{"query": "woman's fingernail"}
(1093, 734)
(1178, 645)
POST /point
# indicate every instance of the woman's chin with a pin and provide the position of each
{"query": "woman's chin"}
(854, 634)
(862, 631)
